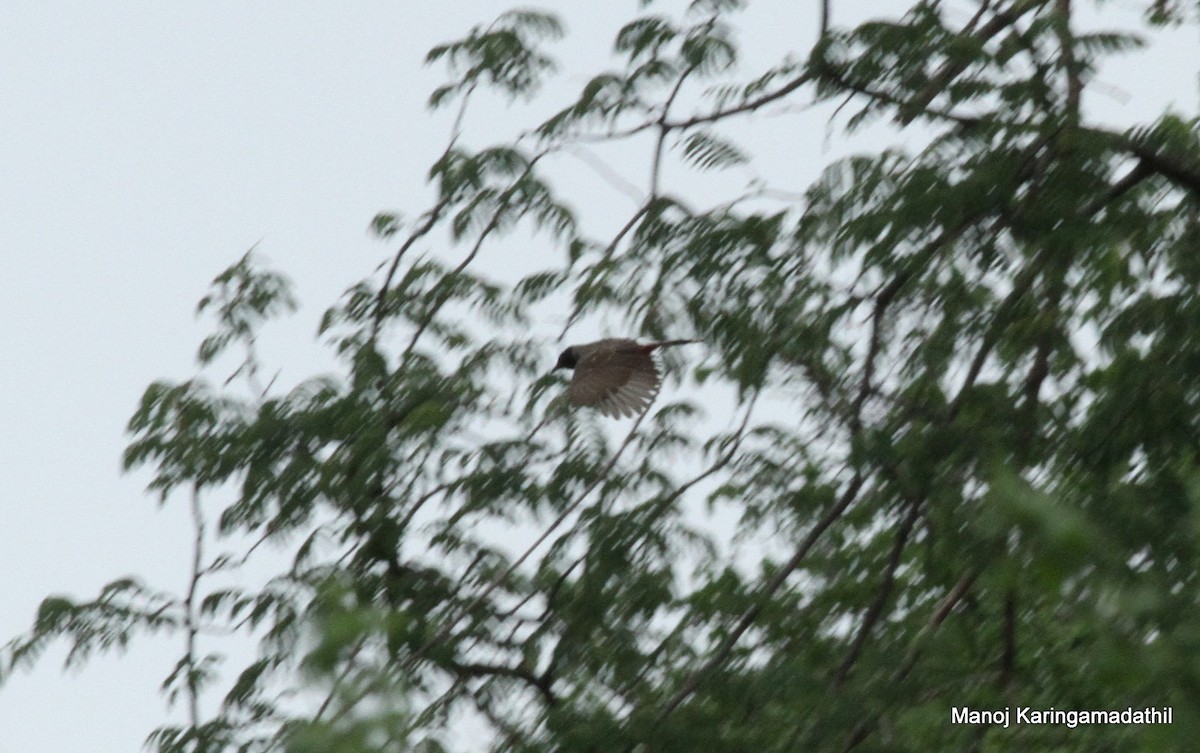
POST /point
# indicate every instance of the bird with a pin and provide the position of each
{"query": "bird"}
(617, 374)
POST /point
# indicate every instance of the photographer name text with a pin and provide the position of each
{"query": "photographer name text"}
(1029, 715)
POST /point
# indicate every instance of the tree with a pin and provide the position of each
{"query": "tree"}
(963, 472)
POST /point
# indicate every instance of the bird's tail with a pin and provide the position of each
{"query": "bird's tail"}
(668, 343)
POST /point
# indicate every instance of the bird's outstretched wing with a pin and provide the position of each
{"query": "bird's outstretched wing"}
(618, 381)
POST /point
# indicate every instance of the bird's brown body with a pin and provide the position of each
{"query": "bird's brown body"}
(617, 375)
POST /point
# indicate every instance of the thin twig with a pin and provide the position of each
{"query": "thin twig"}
(431, 219)
(190, 618)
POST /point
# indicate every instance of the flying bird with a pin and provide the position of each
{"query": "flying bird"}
(617, 375)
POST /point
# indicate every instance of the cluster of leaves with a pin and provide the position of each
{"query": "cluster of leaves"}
(976, 484)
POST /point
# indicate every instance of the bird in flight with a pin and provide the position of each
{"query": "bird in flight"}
(617, 375)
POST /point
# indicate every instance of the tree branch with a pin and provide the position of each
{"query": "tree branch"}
(721, 653)
(875, 610)
(1070, 66)
(940, 613)
(479, 669)
(952, 68)
(1008, 654)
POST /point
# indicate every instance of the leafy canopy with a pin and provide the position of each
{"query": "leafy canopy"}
(941, 451)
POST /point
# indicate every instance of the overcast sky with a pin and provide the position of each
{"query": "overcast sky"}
(147, 145)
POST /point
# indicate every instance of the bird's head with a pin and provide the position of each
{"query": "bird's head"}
(567, 359)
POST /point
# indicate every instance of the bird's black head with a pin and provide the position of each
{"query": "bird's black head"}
(567, 360)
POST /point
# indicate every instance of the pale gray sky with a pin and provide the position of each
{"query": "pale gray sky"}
(145, 146)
